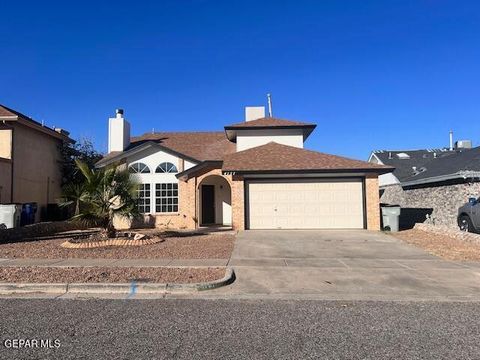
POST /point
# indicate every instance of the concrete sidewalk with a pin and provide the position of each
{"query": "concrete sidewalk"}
(114, 262)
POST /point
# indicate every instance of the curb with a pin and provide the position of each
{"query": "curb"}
(114, 288)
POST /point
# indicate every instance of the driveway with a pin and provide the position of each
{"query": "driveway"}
(344, 265)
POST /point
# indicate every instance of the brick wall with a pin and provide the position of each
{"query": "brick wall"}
(238, 203)
(443, 201)
(372, 202)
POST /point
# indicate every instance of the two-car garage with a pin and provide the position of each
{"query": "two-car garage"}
(305, 203)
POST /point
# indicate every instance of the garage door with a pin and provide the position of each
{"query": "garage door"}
(305, 204)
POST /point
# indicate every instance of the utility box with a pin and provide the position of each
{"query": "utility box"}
(10, 215)
(391, 217)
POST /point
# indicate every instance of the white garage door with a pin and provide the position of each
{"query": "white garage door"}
(305, 204)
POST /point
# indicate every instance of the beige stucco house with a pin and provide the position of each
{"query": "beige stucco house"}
(253, 175)
(30, 160)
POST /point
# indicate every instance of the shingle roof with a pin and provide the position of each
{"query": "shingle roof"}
(455, 163)
(200, 146)
(418, 158)
(269, 122)
(7, 112)
(197, 145)
(277, 157)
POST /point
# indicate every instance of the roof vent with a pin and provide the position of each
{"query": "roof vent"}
(403, 156)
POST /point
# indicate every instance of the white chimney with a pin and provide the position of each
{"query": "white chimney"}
(254, 112)
(118, 132)
(451, 140)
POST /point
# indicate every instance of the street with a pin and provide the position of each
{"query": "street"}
(240, 329)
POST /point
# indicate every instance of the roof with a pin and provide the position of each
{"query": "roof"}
(196, 146)
(458, 164)
(8, 114)
(404, 166)
(268, 123)
(274, 157)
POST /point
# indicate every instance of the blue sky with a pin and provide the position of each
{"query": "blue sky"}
(372, 74)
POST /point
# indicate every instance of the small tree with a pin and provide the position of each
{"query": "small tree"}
(103, 194)
(81, 150)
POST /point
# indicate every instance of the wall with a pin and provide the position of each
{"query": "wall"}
(5, 181)
(444, 201)
(247, 139)
(372, 202)
(36, 167)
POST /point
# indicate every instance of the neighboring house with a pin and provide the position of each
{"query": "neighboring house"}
(253, 175)
(433, 182)
(30, 161)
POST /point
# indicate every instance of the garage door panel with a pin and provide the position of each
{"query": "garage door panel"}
(306, 204)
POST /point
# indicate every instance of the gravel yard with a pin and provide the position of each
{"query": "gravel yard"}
(443, 246)
(208, 246)
(110, 275)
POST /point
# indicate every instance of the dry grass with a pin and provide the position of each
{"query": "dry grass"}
(212, 246)
(109, 275)
(443, 246)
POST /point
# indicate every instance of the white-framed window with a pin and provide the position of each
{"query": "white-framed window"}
(139, 168)
(143, 198)
(166, 198)
(166, 167)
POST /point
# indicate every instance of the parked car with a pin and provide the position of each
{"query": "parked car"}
(469, 216)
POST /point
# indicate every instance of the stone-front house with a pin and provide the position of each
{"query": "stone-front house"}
(433, 182)
(253, 175)
(30, 161)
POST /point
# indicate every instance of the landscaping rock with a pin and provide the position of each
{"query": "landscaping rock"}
(139, 236)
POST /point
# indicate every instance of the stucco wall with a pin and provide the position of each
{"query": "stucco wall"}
(5, 181)
(36, 167)
(247, 139)
(443, 201)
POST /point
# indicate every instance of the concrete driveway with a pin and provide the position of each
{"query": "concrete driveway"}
(344, 265)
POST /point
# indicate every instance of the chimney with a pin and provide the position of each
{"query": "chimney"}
(118, 132)
(451, 140)
(254, 112)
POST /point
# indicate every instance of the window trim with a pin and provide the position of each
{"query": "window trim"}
(160, 170)
(138, 163)
(140, 189)
(166, 197)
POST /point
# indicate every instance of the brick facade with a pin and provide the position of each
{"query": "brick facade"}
(442, 202)
(372, 202)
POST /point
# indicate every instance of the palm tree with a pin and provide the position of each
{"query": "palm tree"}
(104, 194)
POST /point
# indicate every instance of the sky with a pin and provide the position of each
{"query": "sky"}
(381, 74)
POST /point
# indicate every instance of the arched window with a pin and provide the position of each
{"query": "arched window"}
(139, 168)
(166, 167)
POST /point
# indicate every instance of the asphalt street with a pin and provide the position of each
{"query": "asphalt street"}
(238, 329)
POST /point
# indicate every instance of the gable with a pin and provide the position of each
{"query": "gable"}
(250, 138)
(152, 157)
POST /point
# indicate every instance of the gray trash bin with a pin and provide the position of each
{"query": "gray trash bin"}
(390, 217)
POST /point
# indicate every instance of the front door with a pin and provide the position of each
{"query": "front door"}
(208, 204)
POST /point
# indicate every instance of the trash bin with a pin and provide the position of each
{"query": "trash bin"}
(390, 217)
(28, 213)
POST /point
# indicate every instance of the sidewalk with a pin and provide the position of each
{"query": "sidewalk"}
(114, 262)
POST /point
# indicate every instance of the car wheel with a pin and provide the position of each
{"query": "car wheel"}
(465, 224)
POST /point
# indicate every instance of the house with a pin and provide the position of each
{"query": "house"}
(253, 175)
(433, 182)
(30, 161)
